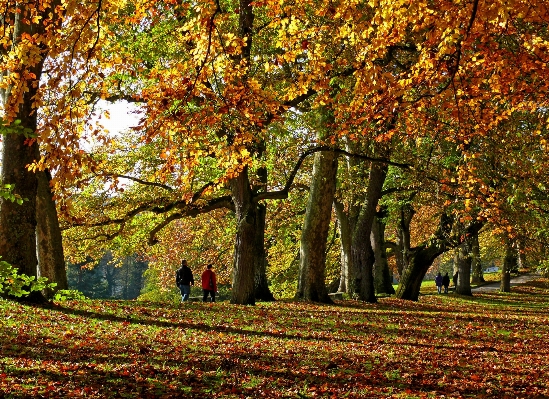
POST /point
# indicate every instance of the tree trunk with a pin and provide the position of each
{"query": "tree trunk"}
(403, 237)
(509, 262)
(262, 291)
(243, 289)
(51, 260)
(362, 252)
(18, 222)
(420, 260)
(383, 281)
(476, 265)
(312, 277)
(464, 269)
(345, 238)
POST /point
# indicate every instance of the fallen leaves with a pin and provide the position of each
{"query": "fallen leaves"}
(488, 346)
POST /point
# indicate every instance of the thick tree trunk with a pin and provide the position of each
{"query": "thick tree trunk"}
(243, 289)
(346, 283)
(262, 291)
(362, 252)
(476, 265)
(420, 260)
(464, 269)
(51, 260)
(312, 278)
(18, 222)
(509, 263)
(383, 281)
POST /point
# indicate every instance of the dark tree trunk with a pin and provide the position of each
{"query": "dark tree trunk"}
(383, 280)
(420, 260)
(464, 269)
(262, 291)
(51, 260)
(476, 265)
(403, 237)
(362, 252)
(243, 289)
(509, 262)
(312, 278)
(346, 283)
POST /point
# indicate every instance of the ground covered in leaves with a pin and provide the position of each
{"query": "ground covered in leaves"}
(488, 346)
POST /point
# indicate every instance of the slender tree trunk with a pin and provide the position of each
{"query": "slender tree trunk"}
(383, 280)
(521, 255)
(464, 269)
(51, 260)
(345, 238)
(476, 265)
(312, 280)
(508, 263)
(262, 291)
(362, 252)
(403, 237)
(243, 290)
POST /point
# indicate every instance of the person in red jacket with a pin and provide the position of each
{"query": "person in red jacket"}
(209, 284)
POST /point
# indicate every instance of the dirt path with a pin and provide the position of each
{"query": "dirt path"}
(523, 278)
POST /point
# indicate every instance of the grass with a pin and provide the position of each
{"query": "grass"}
(490, 345)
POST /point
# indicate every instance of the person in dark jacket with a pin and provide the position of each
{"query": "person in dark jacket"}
(209, 284)
(438, 282)
(184, 279)
(445, 282)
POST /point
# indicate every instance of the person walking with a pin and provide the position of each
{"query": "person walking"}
(438, 282)
(445, 282)
(184, 279)
(209, 283)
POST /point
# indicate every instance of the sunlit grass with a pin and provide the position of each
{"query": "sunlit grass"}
(489, 345)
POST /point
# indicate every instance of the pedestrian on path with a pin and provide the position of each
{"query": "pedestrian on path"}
(438, 282)
(446, 282)
(209, 284)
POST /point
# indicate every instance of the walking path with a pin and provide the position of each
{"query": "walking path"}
(494, 286)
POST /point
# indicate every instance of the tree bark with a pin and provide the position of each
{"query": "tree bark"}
(51, 260)
(362, 252)
(243, 289)
(312, 277)
(509, 262)
(476, 265)
(345, 238)
(403, 237)
(262, 291)
(464, 269)
(383, 281)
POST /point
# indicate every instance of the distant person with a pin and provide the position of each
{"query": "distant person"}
(445, 282)
(209, 284)
(455, 280)
(184, 279)
(438, 282)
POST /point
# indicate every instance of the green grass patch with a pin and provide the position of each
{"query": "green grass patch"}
(489, 345)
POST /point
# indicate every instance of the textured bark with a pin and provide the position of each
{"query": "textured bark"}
(464, 269)
(403, 238)
(477, 275)
(420, 260)
(51, 260)
(509, 262)
(243, 289)
(383, 281)
(345, 238)
(362, 252)
(262, 291)
(312, 278)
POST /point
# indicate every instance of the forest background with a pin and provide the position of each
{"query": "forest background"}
(308, 145)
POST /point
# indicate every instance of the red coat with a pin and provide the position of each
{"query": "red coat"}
(206, 277)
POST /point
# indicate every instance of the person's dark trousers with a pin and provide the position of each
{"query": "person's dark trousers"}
(206, 293)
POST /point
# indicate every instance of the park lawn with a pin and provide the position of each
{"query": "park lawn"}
(488, 346)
